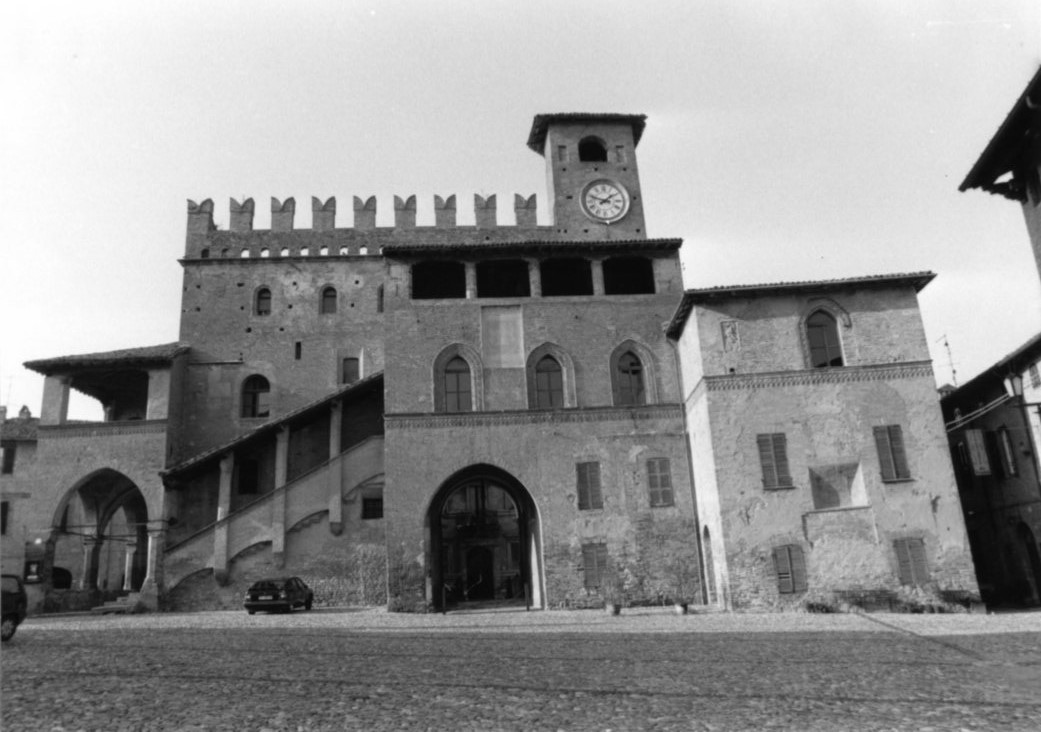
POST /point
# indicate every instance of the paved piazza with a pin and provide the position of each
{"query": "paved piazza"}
(554, 670)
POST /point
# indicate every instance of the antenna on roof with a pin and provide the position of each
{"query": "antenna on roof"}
(950, 358)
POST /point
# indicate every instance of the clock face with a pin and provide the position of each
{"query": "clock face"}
(605, 200)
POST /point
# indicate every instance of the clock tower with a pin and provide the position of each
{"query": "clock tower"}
(593, 180)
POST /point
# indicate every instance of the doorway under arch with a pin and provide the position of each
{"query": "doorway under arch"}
(485, 543)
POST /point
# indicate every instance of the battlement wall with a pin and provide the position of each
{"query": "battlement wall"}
(241, 240)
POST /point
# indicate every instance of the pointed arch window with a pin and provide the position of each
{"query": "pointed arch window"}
(629, 387)
(822, 333)
(328, 303)
(457, 386)
(256, 397)
(262, 306)
(549, 384)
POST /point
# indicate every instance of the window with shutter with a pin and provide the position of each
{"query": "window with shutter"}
(1008, 454)
(892, 457)
(790, 565)
(977, 452)
(773, 457)
(659, 482)
(911, 562)
(1035, 376)
(589, 494)
(594, 562)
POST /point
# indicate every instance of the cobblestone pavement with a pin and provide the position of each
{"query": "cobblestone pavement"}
(581, 670)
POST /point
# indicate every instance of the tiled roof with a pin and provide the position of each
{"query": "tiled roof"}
(1010, 144)
(1012, 363)
(544, 245)
(130, 356)
(916, 279)
(537, 136)
(357, 386)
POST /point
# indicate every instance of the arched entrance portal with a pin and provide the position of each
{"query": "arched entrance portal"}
(484, 541)
(100, 535)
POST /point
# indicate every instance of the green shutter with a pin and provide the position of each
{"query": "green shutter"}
(919, 565)
(977, 452)
(896, 444)
(798, 564)
(780, 449)
(783, 565)
(885, 454)
(766, 460)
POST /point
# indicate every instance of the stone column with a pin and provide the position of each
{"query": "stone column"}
(471, 280)
(597, 266)
(278, 500)
(534, 278)
(128, 565)
(87, 581)
(220, 531)
(335, 468)
(153, 581)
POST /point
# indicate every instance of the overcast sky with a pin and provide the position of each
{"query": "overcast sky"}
(785, 141)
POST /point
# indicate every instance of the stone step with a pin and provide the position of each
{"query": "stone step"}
(122, 604)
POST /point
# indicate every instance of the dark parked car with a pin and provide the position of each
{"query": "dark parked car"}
(282, 594)
(13, 602)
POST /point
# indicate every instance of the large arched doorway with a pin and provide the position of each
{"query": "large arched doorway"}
(100, 535)
(484, 541)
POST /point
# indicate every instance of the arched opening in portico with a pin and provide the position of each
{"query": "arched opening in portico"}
(99, 535)
(485, 541)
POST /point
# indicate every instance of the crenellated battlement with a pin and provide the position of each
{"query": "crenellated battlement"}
(323, 238)
(240, 240)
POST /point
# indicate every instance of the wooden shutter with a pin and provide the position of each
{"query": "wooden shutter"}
(783, 565)
(919, 566)
(885, 455)
(896, 444)
(911, 561)
(594, 559)
(977, 452)
(589, 493)
(773, 457)
(766, 460)
(798, 564)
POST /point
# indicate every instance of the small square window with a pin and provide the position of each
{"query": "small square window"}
(371, 508)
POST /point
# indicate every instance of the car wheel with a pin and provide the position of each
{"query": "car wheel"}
(309, 603)
(7, 628)
(251, 611)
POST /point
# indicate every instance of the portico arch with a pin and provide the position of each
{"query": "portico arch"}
(485, 542)
(99, 533)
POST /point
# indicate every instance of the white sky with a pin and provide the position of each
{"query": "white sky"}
(786, 140)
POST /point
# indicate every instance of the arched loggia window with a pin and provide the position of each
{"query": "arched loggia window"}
(256, 397)
(629, 384)
(549, 384)
(328, 302)
(822, 334)
(458, 397)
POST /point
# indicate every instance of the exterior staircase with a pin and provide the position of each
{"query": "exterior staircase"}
(122, 604)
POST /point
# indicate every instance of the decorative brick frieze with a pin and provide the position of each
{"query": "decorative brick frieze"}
(813, 377)
(487, 419)
(102, 429)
